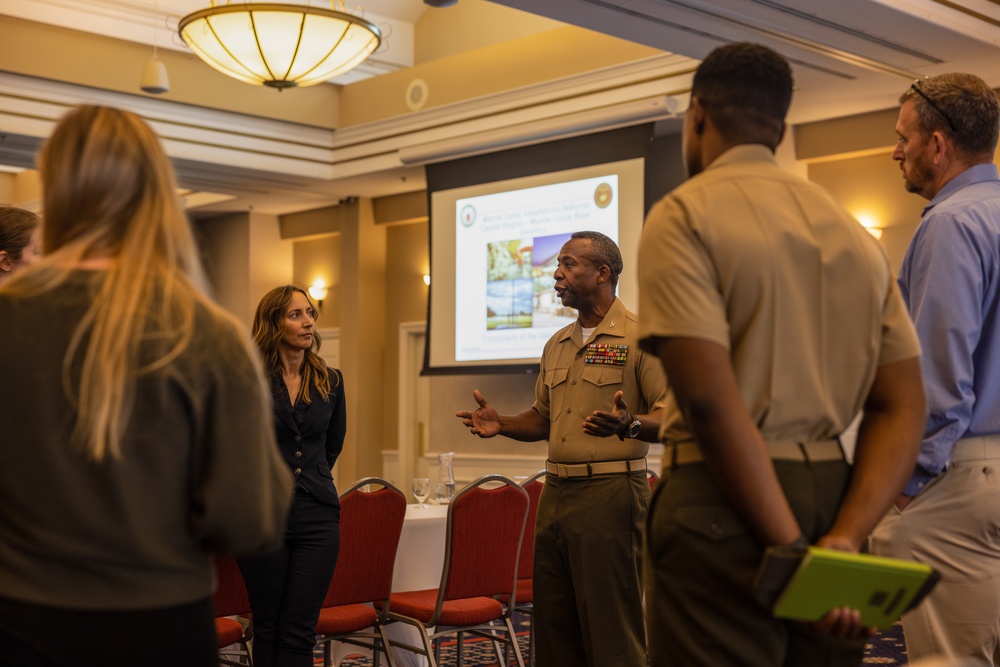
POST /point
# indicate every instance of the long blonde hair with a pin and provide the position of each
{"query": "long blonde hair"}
(267, 331)
(110, 193)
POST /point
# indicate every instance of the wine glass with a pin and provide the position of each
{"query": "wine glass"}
(421, 489)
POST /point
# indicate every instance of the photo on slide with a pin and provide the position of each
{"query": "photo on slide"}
(547, 310)
(520, 284)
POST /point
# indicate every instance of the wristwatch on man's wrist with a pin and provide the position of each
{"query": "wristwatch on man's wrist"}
(632, 431)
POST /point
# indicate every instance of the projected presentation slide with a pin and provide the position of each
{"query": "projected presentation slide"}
(506, 248)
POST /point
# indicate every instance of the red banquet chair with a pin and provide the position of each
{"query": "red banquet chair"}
(485, 527)
(370, 525)
(231, 600)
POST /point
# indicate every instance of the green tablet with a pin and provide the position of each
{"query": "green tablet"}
(805, 584)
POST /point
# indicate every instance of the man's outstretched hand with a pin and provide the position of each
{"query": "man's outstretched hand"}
(483, 421)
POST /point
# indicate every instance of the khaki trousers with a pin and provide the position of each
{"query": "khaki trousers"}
(588, 568)
(953, 525)
(700, 567)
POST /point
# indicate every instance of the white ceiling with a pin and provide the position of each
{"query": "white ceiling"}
(849, 56)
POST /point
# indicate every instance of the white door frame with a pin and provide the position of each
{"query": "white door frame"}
(412, 427)
(330, 352)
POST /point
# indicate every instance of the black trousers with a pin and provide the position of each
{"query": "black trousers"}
(287, 586)
(37, 636)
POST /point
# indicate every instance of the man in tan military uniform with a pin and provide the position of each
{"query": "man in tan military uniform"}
(777, 320)
(588, 534)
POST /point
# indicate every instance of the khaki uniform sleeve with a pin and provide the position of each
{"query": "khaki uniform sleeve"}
(652, 381)
(678, 286)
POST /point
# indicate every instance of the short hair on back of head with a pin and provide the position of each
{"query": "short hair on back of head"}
(16, 228)
(746, 90)
(966, 101)
(604, 251)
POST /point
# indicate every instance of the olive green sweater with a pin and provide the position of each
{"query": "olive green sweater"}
(200, 470)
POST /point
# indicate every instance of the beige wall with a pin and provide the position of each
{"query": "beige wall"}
(438, 34)
(363, 315)
(318, 260)
(244, 257)
(225, 249)
(872, 186)
(7, 197)
(491, 69)
(852, 158)
(22, 190)
(407, 260)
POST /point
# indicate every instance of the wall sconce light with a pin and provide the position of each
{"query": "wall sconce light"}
(319, 291)
(870, 224)
(427, 279)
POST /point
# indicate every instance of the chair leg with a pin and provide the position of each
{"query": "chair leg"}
(513, 637)
(386, 647)
(430, 648)
(502, 658)
(531, 639)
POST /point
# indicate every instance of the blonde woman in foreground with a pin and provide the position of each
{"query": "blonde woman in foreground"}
(137, 429)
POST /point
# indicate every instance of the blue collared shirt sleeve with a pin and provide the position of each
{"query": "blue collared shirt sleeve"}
(942, 281)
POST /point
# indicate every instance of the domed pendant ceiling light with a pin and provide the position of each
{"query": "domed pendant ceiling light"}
(279, 45)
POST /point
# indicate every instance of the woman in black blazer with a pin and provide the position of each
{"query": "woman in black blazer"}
(287, 586)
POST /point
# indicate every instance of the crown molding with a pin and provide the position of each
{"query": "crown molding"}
(29, 107)
(661, 74)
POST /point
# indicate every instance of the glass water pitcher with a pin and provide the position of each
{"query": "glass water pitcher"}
(444, 488)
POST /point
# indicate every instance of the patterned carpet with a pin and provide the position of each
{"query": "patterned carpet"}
(885, 648)
(477, 652)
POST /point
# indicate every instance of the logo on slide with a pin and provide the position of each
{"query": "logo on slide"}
(468, 215)
(603, 194)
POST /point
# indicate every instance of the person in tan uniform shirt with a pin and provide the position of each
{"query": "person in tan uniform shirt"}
(587, 585)
(777, 320)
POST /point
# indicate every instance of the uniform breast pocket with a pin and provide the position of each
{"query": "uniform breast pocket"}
(555, 381)
(601, 376)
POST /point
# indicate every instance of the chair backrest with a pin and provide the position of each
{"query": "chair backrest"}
(230, 592)
(485, 529)
(370, 526)
(526, 562)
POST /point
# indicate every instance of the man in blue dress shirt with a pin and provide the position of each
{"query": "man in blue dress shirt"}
(949, 513)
